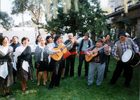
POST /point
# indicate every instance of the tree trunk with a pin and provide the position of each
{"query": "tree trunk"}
(23, 20)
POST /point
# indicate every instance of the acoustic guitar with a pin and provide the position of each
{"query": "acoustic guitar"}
(58, 56)
(93, 53)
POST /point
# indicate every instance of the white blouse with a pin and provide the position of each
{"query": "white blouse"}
(4, 67)
(4, 49)
(41, 59)
(19, 51)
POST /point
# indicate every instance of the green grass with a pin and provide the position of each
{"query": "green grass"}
(74, 88)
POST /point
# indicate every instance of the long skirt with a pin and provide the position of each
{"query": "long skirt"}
(23, 75)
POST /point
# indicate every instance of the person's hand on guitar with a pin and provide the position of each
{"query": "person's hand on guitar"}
(106, 47)
(72, 41)
(88, 54)
(58, 51)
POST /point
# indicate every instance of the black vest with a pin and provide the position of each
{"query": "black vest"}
(101, 55)
(73, 48)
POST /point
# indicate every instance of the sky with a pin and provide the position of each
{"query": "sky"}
(6, 5)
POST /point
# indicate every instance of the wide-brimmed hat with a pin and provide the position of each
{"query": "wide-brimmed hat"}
(87, 33)
(121, 33)
(99, 40)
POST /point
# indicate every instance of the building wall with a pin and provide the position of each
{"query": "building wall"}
(131, 15)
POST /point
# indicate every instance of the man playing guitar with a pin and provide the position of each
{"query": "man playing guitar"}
(71, 59)
(98, 62)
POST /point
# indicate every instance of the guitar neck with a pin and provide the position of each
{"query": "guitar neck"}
(98, 49)
(66, 45)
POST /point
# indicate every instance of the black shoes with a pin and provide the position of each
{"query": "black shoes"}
(88, 85)
(9, 93)
(106, 77)
(110, 84)
(27, 88)
(79, 76)
(127, 86)
(50, 88)
(4, 96)
(57, 86)
(98, 85)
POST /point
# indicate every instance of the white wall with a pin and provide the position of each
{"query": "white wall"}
(21, 34)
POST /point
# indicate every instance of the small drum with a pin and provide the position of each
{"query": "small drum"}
(131, 58)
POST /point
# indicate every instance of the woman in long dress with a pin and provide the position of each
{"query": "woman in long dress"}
(24, 63)
(6, 70)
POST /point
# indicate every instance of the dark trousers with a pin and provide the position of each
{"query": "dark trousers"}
(119, 68)
(106, 66)
(81, 59)
(57, 69)
(70, 61)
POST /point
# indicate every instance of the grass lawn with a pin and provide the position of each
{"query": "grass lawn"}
(74, 88)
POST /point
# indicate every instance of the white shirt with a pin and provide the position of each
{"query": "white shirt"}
(4, 49)
(41, 59)
(4, 67)
(19, 51)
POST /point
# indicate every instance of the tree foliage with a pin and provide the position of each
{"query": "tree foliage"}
(5, 20)
(89, 18)
(19, 6)
(33, 6)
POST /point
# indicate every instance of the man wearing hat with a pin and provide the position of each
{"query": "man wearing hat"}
(119, 48)
(98, 62)
(83, 45)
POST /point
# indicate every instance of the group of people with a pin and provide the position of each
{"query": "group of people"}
(16, 59)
